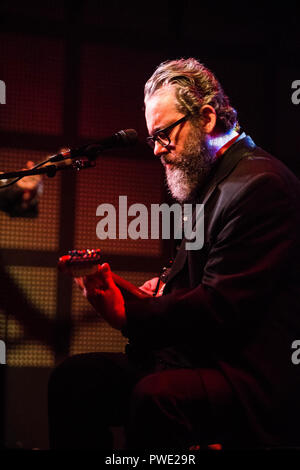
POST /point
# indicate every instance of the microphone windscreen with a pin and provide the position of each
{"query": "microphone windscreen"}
(128, 136)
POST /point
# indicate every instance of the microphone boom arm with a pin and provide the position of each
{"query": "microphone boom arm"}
(49, 170)
(84, 157)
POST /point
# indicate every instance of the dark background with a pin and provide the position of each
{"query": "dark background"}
(74, 72)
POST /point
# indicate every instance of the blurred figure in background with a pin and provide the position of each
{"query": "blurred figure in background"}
(21, 199)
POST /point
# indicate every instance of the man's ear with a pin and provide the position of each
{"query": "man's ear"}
(208, 118)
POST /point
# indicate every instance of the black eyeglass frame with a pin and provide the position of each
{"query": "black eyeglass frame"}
(156, 136)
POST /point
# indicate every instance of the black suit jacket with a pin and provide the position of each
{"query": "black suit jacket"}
(234, 304)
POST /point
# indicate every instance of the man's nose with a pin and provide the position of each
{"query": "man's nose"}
(159, 149)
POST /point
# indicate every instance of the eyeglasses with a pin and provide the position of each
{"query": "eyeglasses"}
(162, 135)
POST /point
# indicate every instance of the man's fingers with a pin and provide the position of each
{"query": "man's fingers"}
(149, 286)
(101, 280)
(107, 275)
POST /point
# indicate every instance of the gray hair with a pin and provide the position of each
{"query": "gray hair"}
(195, 86)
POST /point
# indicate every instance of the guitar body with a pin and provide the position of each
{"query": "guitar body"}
(80, 263)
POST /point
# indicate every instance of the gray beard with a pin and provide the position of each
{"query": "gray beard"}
(186, 176)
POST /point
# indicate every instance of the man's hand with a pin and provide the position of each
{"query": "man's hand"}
(150, 286)
(104, 296)
(31, 185)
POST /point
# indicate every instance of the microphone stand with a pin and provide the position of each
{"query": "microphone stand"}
(50, 170)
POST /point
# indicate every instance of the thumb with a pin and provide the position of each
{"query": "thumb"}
(106, 274)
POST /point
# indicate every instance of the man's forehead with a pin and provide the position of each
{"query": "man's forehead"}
(161, 108)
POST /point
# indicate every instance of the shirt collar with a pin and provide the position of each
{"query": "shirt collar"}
(227, 145)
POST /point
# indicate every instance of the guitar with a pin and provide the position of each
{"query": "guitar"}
(79, 263)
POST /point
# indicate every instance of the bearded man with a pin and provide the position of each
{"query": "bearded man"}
(209, 360)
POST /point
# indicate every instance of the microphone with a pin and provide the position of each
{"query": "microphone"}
(122, 138)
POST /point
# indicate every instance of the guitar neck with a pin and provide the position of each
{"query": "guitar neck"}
(85, 262)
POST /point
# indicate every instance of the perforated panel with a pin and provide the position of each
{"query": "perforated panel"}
(30, 316)
(33, 75)
(40, 233)
(140, 181)
(50, 10)
(112, 84)
(119, 15)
